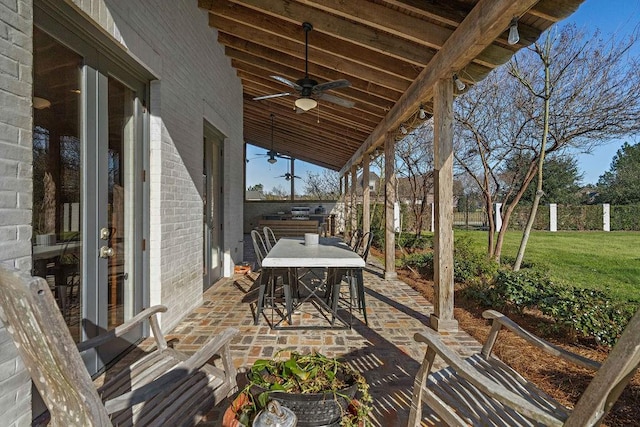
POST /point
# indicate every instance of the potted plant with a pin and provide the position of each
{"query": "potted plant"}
(320, 390)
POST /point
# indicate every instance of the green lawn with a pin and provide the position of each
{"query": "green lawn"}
(599, 260)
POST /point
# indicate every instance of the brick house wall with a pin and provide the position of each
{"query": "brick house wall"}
(195, 83)
(15, 188)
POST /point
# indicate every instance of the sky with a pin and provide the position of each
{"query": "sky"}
(611, 17)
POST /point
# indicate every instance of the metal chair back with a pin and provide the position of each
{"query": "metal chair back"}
(269, 238)
(258, 246)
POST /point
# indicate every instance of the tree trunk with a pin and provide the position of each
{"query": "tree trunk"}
(539, 192)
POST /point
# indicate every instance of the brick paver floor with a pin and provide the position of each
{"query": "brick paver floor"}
(384, 351)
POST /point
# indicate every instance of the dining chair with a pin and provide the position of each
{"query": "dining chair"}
(269, 238)
(268, 278)
(258, 247)
(354, 242)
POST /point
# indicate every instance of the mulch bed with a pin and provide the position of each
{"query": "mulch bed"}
(564, 381)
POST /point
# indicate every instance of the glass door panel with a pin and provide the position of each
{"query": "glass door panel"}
(87, 188)
(121, 141)
(57, 233)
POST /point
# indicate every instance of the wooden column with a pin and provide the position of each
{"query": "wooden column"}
(442, 318)
(366, 196)
(293, 187)
(354, 199)
(347, 199)
(389, 201)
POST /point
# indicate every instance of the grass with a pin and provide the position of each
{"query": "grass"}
(608, 261)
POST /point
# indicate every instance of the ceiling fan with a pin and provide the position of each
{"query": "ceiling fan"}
(308, 89)
(272, 154)
(288, 176)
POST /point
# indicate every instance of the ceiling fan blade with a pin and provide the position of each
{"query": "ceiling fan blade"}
(336, 84)
(276, 95)
(339, 101)
(288, 82)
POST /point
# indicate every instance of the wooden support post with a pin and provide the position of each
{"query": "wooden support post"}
(293, 187)
(366, 196)
(389, 201)
(354, 199)
(442, 318)
(347, 208)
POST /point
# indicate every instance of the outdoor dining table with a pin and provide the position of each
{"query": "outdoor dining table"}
(329, 254)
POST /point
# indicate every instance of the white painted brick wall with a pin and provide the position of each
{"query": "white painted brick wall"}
(15, 188)
(195, 82)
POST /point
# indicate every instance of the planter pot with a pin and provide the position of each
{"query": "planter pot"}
(314, 409)
(230, 417)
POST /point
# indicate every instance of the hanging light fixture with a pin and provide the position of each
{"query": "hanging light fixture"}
(459, 83)
(272, 154)
(41, 103)
(306, 104)
(514, 36)
(422, 114)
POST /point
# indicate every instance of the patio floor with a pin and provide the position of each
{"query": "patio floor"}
(384, 351)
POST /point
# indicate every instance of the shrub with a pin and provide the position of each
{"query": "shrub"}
(586, 312)
(575, 311)
(411, 241)
(470, 264)
(422, 262)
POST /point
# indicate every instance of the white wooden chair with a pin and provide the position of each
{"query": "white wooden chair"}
(163, 388)
(482, 390)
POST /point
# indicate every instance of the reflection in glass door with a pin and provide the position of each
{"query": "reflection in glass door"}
(212, 227)
(121, 142)
(57, 231)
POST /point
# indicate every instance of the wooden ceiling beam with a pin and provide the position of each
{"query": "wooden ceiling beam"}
(252, 136)
(337, 128)
(486, 21)
(287, 64)
(553, 10)
(405, 26)
(290, 143)
(382, 42)
(305, 122)
(288, 37)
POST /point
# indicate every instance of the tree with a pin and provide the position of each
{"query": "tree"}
(565, 93)
(414, 154)
(277, 193)
(322, 186)
(620, 185)
(561, 180)
(257, 187)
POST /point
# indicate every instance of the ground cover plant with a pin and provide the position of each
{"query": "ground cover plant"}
(590, 281)
(605, 261)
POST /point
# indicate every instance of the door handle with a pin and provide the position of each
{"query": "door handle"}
(106, 252)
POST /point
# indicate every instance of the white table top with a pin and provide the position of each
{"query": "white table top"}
(330, 252)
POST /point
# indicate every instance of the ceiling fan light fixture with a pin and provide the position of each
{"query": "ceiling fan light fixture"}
(41, 103)
(272, 159)
(306, 104)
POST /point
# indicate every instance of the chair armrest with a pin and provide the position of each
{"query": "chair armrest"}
(482, 382)
(500, 320)
(180, 371)
(122, 329)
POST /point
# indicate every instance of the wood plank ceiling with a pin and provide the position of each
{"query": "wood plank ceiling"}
(382, 47)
